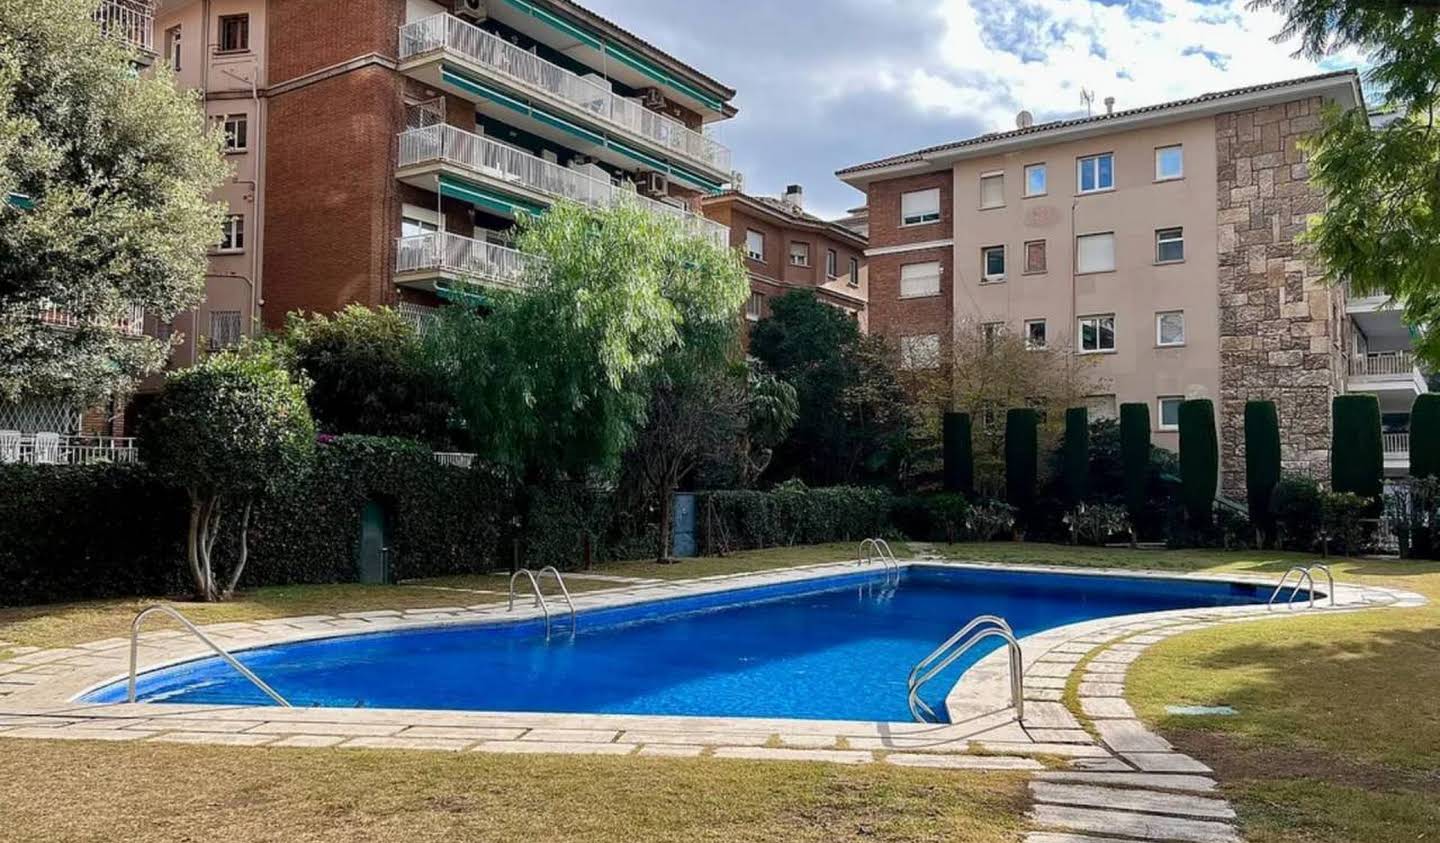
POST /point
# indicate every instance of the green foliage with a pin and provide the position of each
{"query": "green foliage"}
(791, 515)
(368, 375)
(1342, 521)
(1076, 455)
(991, 519)
(120, 174)
(1262, 461)
(1357, 449)
(1415, 515)
(1095, 524)
(1022, 459)
(1199, 460)
(1425, 436)
(1135, 457)
(1295, 506)
(854, 421)
(959, 454)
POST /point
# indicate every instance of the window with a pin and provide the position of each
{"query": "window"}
(1095, 253)
(237, 132)
(172, 47)
(1034, 256)
(755, 306)
(224, 329)
(1169, 245)
(799, 254)
(832, 263)
(415, 221)
(854, 272)
(1101, 407)
(992, 190)
(754, 245)
(1035, 336)
(1097, 333)
(1095, 172)
(920, 206)
(920, 352)
(992, 264)
(234, 33)
(1035, 180)
(232, 235)
(1170, 328)
(919, 279)
(1169, 163)
(1169, 407)
(992, 331)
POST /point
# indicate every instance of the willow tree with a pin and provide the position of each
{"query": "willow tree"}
(107, 176)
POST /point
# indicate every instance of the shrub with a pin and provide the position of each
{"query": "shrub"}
(1425, 436)
(1076, 451)
(747, 520)
(990, 519)
(1135, 458)
(1021, 459)
(1342, 517)
(1295, 505)
(959, 454)
(1234, 527)
(1423, 502)
(1095, 524)
(1199, 461)
(1262, 462)
(1357, 452)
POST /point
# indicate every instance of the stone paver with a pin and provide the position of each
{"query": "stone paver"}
(213, 738)
(1094, 796)
(309, 741)
(1097, 708)
(765, 753)
(448, 745)
(1128, 824)
(1153, 781)
(671, 751)
(963, 762)
(1130, 736)
(1165, 762)
(542, 747)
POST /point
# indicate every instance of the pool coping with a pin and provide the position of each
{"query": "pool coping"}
(43, 687)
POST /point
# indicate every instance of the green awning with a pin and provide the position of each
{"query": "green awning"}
(486, 198)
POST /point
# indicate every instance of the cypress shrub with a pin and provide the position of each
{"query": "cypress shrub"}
(1022, 458)
(1425, 436)
(959, 454)
(1077, 455)
(1262, 462)
(1357, 451)
(1135, 458)
(1199, 460)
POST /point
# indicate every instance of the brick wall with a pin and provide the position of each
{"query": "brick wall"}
(310, 35)
(884, 203)
(889, 315)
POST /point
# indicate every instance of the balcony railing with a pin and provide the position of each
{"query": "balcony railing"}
(55, 449)
(1383, 363)
(505, 163)
(1396, 443)
(448, 252)
(447, 32)
(131, 322)
(132, 20)
(455, 458)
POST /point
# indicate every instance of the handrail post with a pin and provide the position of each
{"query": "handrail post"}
(555, 572)
(194, 630)
(539, 598)
(926, 669)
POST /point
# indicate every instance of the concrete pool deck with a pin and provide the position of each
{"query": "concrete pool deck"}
(1114, 776)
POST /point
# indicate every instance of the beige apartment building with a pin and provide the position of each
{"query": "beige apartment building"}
(1158, 242)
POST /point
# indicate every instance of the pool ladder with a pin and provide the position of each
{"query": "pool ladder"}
(535, 578)
(878, 550)
(979, 629)
(195, 631)
(1306, 575)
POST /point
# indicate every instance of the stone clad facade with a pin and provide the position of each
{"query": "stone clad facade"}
(1281, 325)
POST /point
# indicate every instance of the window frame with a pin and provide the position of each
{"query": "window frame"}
(805, 257)
(1044, 257)
(1045, 335)
(990, 332)
(1044, 169)
(758, 257)
(174, 44)
(1160, 401)
(1114, 247)
(925, 218)
(212, 342)
(234, 225)
(985, 276)
(240, 119)
(1180, 175)
(991, 176)
(754, 306)
(1160, 337)
(929, 293)
(832, 263)
(1159, 240)
(242, 19)
(1098, 319)
(1080, 174)
(855, 276)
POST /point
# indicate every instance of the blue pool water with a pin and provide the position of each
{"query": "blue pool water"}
(834, 648)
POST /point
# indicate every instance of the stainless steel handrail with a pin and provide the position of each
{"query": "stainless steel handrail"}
(1329, 577)
(1305, 576)
(927, 668)
(881, 551)
(194, 630)
(539, 598)
(563, 590)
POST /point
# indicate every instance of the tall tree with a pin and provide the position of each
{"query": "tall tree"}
(107, 176)
(1379, 230)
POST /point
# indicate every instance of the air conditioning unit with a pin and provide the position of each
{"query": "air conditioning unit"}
(472, 10)
(654, 99)
(655, 185)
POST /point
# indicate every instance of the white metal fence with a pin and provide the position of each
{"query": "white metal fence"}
(133, 21)
(593, 94)
(1396, 443)
(131, 322)
(442, 250)
(54, 449)
(456, 459)
(505, 163)
(1383, 363)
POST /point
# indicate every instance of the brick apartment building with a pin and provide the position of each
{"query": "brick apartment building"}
(1161, 240)
(787, 249)
(381, 149)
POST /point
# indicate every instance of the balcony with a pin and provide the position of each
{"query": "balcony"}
(437, 259)
(132, 20)
(55, 449)
(442, 150)
(424, 43)
(130, 324)
(1386, 372)
(1397, 453)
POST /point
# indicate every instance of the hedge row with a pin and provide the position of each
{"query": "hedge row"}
(748, 520)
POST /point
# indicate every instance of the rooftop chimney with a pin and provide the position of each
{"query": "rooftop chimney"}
(794, 195)
(1109, 105)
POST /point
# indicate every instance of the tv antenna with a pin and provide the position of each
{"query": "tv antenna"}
(1087, 97)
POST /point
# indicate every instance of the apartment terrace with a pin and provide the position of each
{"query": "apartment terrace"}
(450, 53)
(1386, 371)
(56, 449)
(132, 20)
(437, 259)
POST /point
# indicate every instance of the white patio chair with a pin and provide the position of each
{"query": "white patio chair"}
(47, 448)
(9, 446)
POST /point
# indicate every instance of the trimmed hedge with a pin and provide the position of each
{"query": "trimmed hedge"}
(752, 520)
(1199, 460)
(1135, 458)
(959, 453)
(1076, 461)
(1262, 462)
(1357, 450)
(1022, 458)
(1425, 436)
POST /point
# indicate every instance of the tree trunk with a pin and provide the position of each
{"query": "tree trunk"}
(244, 552)
(193, 543)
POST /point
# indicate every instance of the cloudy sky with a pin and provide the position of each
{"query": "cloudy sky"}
(848, 81)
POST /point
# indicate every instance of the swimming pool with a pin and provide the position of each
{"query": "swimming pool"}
(837, 648)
